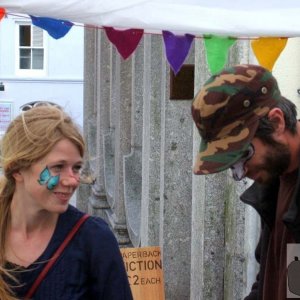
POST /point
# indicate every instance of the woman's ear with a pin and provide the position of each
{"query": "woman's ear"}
(17, 176)
(276, 116)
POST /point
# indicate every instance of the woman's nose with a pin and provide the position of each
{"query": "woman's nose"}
(70, 179)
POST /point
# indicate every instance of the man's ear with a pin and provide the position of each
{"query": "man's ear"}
(276, 116)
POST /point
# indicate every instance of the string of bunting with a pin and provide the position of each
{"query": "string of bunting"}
(266, 49)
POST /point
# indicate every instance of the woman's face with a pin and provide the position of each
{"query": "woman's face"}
(49, 183)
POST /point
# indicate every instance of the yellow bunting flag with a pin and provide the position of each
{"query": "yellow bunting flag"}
(217, 48)
(145, 272)
(267, 50)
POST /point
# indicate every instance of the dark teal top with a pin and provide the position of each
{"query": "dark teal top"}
(90, 268)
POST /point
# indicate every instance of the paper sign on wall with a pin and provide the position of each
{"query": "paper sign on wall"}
(6, 115)
(145, 272)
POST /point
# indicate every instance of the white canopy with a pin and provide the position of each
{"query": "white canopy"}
(220, 17)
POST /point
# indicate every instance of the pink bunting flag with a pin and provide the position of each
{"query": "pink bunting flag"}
(177, 49)
(126, 41)
(2, 13)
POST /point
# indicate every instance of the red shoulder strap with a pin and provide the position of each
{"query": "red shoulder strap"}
(55, 256)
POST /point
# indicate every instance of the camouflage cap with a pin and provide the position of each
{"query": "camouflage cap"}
(227, 110)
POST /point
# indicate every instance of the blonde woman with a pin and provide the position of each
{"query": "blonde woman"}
(41, 156)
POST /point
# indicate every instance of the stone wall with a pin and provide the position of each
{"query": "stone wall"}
(141, 147)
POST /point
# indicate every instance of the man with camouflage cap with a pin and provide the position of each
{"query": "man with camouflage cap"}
(246, 125)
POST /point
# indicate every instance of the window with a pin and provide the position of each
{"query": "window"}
(30, 50)
(182, 84)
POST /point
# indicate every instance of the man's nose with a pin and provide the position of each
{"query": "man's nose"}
(246, 168)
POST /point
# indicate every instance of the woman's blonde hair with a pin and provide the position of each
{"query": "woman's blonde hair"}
(28, 138)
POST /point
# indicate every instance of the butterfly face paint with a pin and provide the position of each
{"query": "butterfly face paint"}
(46, 179)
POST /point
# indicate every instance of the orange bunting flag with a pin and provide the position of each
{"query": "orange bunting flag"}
(267, 50)
(2, 13)
(217, 48)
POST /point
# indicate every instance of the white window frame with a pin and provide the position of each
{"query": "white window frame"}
(28, 72)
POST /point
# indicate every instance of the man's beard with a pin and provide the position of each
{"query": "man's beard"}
(277, 161)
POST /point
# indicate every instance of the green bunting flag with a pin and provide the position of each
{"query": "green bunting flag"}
(217, 48)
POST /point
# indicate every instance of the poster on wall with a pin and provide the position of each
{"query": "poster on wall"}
(145, 272)
(6, 115)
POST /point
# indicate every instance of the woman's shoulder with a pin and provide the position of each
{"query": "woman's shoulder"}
(93, 226)
(73, 214)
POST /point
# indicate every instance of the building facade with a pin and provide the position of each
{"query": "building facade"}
(36, 67)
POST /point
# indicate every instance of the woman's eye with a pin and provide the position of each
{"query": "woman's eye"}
(56, 168)
(77, 169)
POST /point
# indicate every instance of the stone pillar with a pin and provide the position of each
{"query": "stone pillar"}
(122, 138)
(89, 121)
(176, 190)
(101, 62)
(97, 201)
(132, 163)
(107, 127)
(154, 79)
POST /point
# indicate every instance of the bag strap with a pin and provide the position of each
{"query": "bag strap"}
(55, 256)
